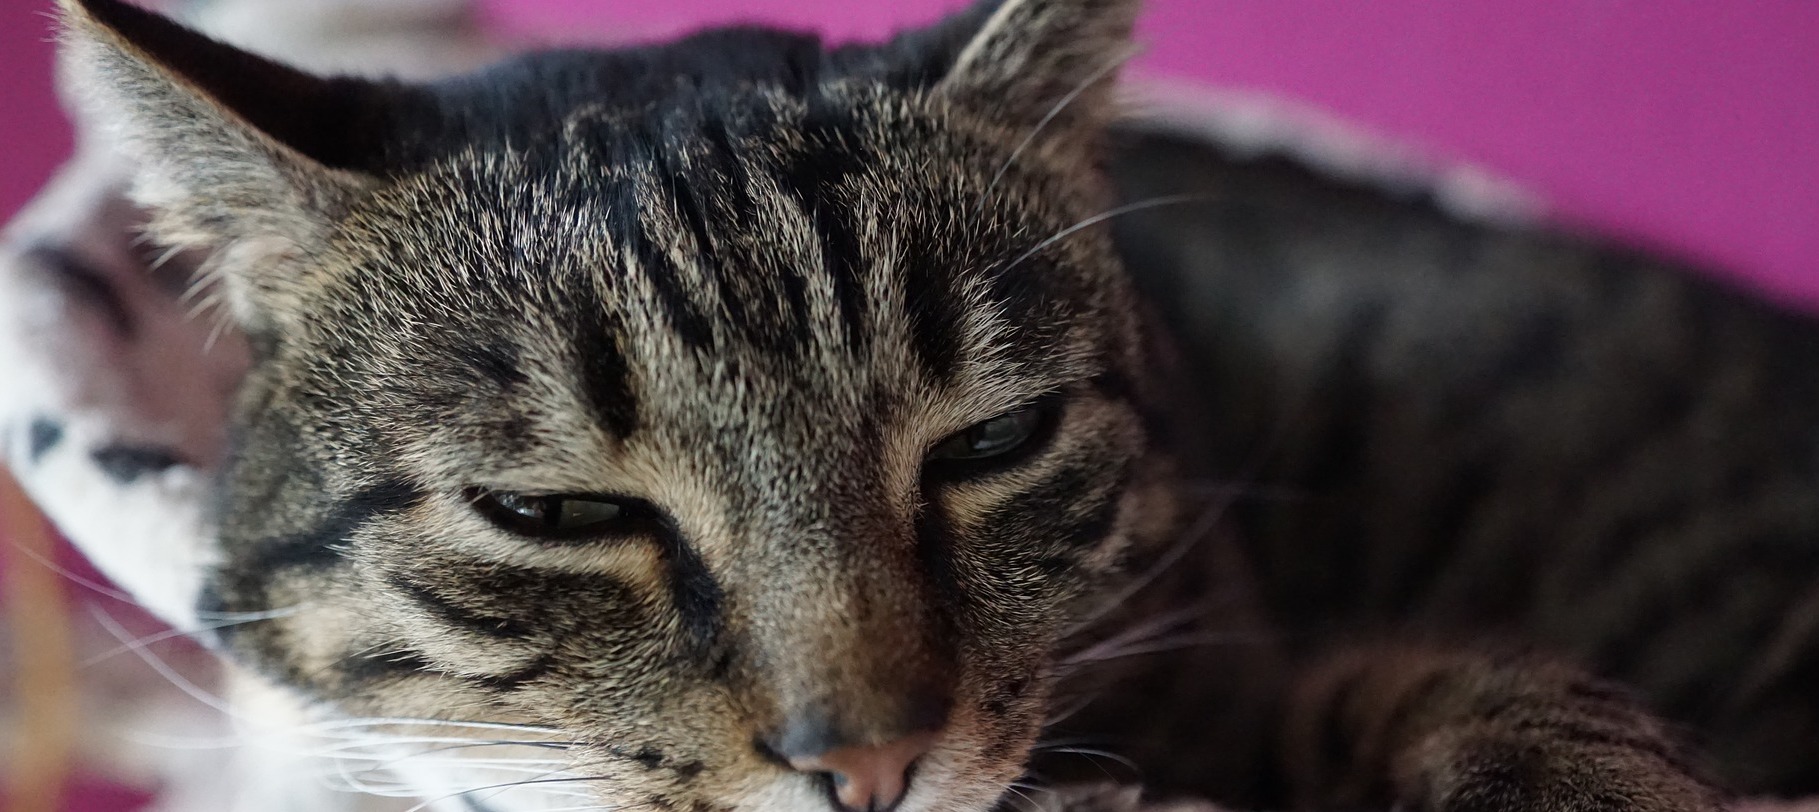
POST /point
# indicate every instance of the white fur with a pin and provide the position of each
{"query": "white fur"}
(1248, 123)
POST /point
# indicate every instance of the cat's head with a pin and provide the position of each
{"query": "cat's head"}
(757, 417)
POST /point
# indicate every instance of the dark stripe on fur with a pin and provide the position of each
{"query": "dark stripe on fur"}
(396, 665)
(713, 200)
(1092, 524)
(322, 545)
(933, 312)
(698, 597)
(683, 313)
(456, 615)
(515, 680)
(818, 182)
(1026, 298)
(405, 664)
(243, 585)
(1114, 385)
(605, 375)
(689, 209)
(496, 362)
(934, 548)
(792, 334)
(1076, 505)
(685, 316)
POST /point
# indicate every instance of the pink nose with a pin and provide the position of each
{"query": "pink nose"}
(870, 778)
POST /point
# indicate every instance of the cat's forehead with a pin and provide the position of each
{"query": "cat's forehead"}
(770, 269)
(779, 223)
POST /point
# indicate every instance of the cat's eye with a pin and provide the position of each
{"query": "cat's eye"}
(556, 516)
(997, 438)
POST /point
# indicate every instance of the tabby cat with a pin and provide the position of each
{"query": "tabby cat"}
(745, 424)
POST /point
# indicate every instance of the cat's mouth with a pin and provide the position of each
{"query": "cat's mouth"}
(960, 769)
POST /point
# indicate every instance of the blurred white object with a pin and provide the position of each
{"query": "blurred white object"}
(101, 351)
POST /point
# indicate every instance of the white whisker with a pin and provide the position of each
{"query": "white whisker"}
(1201, 528)
(197, 290)
(163, 668)
(1079, 704)
(500, 788)
(1022, 790)
(1094, 78)
(406, 721)
(1179, 643)
(355, 741)
(1095, 753)
(387, 754)
(223, 321)
(141, 642)
(1128, 208)
(75, 578)
(164, 256)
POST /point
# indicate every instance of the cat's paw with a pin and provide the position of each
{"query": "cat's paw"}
(1101, 798)
(1507, 774)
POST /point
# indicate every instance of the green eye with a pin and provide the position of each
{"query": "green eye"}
(552, 516)
(996, 437)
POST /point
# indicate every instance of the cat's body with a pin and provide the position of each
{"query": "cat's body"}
(771, 428)
(1451, 431)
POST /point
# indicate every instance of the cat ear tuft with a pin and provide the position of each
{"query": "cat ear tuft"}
(234, 152)
(1043, 59)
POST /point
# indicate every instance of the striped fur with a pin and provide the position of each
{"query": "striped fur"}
(749, 283)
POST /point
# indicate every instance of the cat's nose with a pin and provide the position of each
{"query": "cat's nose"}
(870, 772)
(869, 778)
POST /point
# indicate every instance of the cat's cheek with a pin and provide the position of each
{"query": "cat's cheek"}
(1004, 715)
(983, 755)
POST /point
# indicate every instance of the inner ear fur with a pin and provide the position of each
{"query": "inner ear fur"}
(233, 153)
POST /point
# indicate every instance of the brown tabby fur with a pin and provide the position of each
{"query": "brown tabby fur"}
(1348, 514)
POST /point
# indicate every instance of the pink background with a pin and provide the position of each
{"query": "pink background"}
(1690, 125)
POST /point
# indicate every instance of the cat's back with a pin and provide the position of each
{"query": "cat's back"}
(1470, 428)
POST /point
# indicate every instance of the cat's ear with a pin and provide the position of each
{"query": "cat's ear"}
(233, 152)
(1037, 60)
